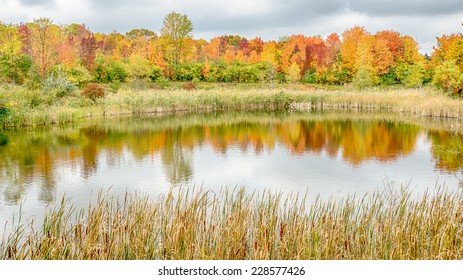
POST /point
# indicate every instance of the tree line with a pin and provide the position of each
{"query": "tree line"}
(40, 53)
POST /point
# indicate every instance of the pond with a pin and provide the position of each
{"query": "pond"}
(326, 154)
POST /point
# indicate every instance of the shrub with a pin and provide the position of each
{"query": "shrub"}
(414, 76)
(3, 112)
(188, 71)
(216, 72)
(310, 76)
(109, 72)
(3, 138)
(138, 67)
(267, 71)
(156, 73)
(448, 77)
(116, 71)
(389, 78)
(281, 78)
(162, 82)
(362, 79)
(79, 75)
(14, 69)
(331, 76)
(189, 86)
(93, 91)
(57, 84)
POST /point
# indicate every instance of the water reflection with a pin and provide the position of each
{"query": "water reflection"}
(447, 149)
(39, 157)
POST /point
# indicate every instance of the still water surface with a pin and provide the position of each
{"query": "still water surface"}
(329, 154)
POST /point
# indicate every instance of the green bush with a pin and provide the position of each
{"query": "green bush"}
(448, 77)
(281, 78)
(34, 80)
(389, 79)
(116, 71)
(362, 79)
(310, 77)
(14, 69)
(162, 82)
(3, 111)
(216, 72)
(139, 67)
(410, 75)
(267, 71)
(414, 76)
(111, 72)
(115, 85)
(242, 73)
(341, 76)
(3, 137)
(156, 73)
(188, 71)
(79, 75)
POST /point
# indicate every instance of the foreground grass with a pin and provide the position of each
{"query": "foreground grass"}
(236, 225)
(29, 108)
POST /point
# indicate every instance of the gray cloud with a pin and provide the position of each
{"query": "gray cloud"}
(30, 3)
(406, 7)
(219, 15)
(268, 19)
(105, 5)
(279, 15)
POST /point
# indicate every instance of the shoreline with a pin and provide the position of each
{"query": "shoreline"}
(413, 102)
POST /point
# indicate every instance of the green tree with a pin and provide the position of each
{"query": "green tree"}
(176, 28)
(138, 66)
(362, 79)
(140, 33)
(448, 76)
(414, 76)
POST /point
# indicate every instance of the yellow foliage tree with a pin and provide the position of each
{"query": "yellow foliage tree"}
(294, 73)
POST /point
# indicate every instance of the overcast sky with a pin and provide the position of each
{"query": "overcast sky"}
(268, 19)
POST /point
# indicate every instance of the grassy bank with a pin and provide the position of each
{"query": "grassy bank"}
(28, 108)
(236, 225)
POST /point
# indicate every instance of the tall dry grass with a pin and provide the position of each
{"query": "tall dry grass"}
(233, 224)
(28, 107)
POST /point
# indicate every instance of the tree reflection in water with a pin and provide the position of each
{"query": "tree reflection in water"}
(42, 153)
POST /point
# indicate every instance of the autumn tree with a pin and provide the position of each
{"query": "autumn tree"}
(175, 30)
(449, 48)
(256, 45)
(365, 73)
(315, 53)
(88, 46)
(409, 69)
(355, 42)
(294, 73)
(270, 54)
(13, 64)
(44, 40)
(67, 47)
(448, 77)
(212, 49)
(243, 46)
(383, 59)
